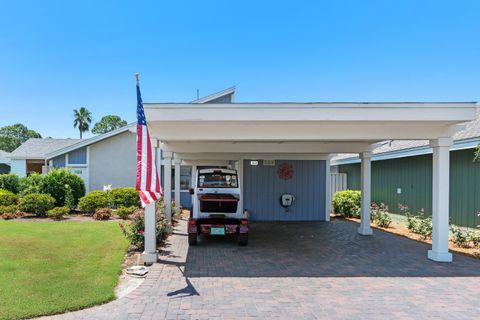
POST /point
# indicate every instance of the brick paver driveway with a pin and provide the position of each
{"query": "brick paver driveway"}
(308, 270)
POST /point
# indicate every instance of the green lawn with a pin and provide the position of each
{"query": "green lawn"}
(53, 267)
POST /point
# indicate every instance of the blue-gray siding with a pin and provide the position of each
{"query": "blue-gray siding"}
(263, 188)
(59, 162)
(78, 156)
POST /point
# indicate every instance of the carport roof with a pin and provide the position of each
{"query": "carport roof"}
(327, 127)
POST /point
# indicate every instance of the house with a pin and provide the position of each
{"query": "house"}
(110, 158)
(30, 156)
(4, 162)
(402, 174)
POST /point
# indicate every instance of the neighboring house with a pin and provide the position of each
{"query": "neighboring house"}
(402, 174)
(30, 156)
(106, 159)
(110, 158)
(4, 162)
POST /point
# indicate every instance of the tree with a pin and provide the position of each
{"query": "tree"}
(11, 137)
(108, 123)
(82, 119)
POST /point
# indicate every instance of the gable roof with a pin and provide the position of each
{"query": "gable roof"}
(37, 148)
(467, 138)
(86, 142)
(216, 95)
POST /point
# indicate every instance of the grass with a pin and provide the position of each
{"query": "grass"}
(53, 267)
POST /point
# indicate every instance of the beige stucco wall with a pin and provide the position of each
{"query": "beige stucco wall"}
(113, 161)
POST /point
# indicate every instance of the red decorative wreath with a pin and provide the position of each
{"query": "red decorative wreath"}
(285, 171)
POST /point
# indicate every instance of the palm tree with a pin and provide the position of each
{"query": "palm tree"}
(82, 119)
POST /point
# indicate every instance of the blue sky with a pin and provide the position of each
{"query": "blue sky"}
(59, 55)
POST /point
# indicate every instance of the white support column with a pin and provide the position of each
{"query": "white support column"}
(440, 200)
(365, 176)
(150, 255)
(178, 205)
(328, 196)
(240, 178)
(167, 192)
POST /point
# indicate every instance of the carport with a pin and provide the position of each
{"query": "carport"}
(240, 132)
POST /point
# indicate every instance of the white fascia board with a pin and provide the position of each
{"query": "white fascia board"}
(87, 142)
(450, 113)
(215, 95)
(458, 145)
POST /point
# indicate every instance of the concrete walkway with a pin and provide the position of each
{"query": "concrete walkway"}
(299, 271)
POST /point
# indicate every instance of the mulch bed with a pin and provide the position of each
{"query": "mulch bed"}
(401, 230)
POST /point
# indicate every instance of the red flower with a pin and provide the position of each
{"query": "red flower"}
(141, 232)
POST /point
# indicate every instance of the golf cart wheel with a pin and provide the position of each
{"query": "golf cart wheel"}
(192, 239)
(243, 239)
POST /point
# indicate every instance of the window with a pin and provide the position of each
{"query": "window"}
(217, 180)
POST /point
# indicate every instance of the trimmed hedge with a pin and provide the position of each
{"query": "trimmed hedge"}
(93, 201)
(37, 203)
(56, 181)
(347, 203)
(123, 197)
(10, 182)
(7, 198)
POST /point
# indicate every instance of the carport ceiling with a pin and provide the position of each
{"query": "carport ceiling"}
(300, 127)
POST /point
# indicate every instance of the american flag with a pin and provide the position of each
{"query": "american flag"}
(148, 183)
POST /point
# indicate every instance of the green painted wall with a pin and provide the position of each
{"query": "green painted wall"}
(414, 176)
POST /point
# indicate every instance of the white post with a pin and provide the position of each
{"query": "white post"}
(440, 200)
(150, 254)
(178, 205)
(328, 196)
(167, 192)
(365, 176)
(240, 179)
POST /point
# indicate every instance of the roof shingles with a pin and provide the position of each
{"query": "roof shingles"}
(36, 148)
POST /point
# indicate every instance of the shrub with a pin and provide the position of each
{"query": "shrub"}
(10, 182)
(31, 184)
(125, 212)
(102, 214)
(384, 220)
(11, 209)
(69, 198)
(347, 203)
(56, 183)
(460, 236)
(58, 213)
(37, 203)
(93, 201)
(425, 228)
(7, 198)
(135, 230)
(123, 197)
(475, 238)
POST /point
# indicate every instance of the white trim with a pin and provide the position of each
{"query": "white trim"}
(216, 95)
(90, 141)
